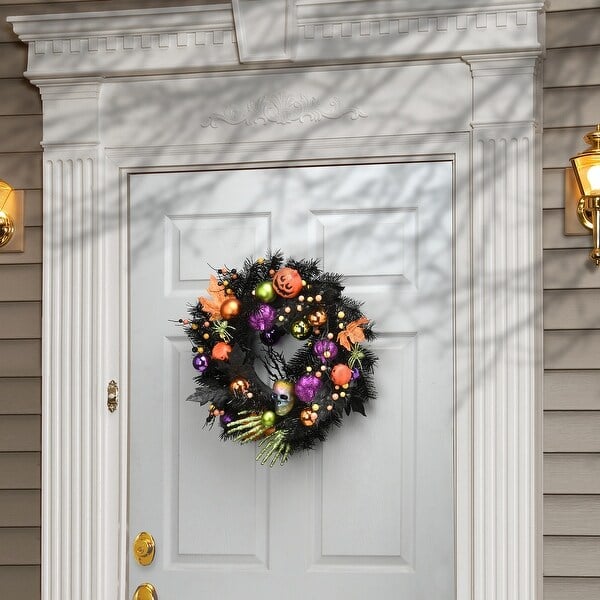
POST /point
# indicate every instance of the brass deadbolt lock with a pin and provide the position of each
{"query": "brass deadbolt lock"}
(143, 548)
(145, 591)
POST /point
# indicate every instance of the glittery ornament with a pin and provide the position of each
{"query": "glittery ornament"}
(287, 282)
(283, 397)
(230, 308)
(341, 374)
(268, 418)
(300, 329)
(239, 385)
(319, 317)
(264, 291)
(307, 387)
(271, 336)
(221, 351)
(308, 417)
(200, 362)
(262, 318)
(325, 350)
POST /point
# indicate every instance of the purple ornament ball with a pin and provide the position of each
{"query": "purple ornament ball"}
(226, 419)
(200, 362)
(263, 317)
(355, 373)
(325, 350)
(271, 336)
(307, 387)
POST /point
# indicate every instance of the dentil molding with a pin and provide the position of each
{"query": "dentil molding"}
(270, 33)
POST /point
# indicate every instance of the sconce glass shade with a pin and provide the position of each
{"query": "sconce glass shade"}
(7, 227)
(586, 165)
(5, 190)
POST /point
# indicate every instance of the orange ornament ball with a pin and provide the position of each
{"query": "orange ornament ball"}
(221, 351)
(230, 308)
(287, 282)
(341, 374)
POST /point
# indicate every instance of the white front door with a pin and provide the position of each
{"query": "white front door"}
(370, 513)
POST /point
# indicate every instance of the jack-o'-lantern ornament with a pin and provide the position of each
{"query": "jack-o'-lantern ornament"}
(221, 351)
(287, 282)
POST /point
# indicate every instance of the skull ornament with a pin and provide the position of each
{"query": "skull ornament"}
(283, 397)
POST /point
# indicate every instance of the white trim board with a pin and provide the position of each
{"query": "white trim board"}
(447, 81)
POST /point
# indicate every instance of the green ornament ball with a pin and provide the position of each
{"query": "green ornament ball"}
(268, 418)
(300, 329)
(264, 291)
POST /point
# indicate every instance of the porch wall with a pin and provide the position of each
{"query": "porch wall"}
(571, 318)
(572, 321)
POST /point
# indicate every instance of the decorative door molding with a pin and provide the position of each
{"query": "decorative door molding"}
(105, 80)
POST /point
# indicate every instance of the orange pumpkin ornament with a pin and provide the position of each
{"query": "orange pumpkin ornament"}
(221, 351)
(341, 374)
(287, 282)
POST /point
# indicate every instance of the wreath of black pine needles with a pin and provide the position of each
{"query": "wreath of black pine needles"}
(250, 309)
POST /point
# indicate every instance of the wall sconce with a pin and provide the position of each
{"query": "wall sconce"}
(586, 168)
(11, 219)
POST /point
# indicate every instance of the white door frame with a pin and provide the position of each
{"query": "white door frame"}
(77, 60)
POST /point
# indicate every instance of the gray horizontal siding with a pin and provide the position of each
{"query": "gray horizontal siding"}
(571, 317)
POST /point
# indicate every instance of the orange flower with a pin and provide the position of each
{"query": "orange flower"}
(353, 334)
(213, 306)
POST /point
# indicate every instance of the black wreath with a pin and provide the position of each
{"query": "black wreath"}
(248, 312)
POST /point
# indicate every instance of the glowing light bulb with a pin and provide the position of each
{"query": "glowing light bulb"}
(593, 176)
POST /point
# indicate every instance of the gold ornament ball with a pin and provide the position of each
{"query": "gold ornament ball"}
(300, 329)
(230, 308)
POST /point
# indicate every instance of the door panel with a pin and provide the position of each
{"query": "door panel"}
(370, 510)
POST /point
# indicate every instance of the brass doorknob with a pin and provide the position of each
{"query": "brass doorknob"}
(145, 591)
(143, 548)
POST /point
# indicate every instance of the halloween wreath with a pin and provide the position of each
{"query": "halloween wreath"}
(237, 329)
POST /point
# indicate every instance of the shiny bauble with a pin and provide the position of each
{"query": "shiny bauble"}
(268, 419)
(230, 308)
(308, 417)
(287, 282)
(264, 291)
(325, 350)
(300, 329)
(318, 318)
(283, 397)
(341, 374)
(200, 362)
(306, 387)
(271, 336)
(226, 419)
(221, 351)
(262, 318)
(239, 386)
